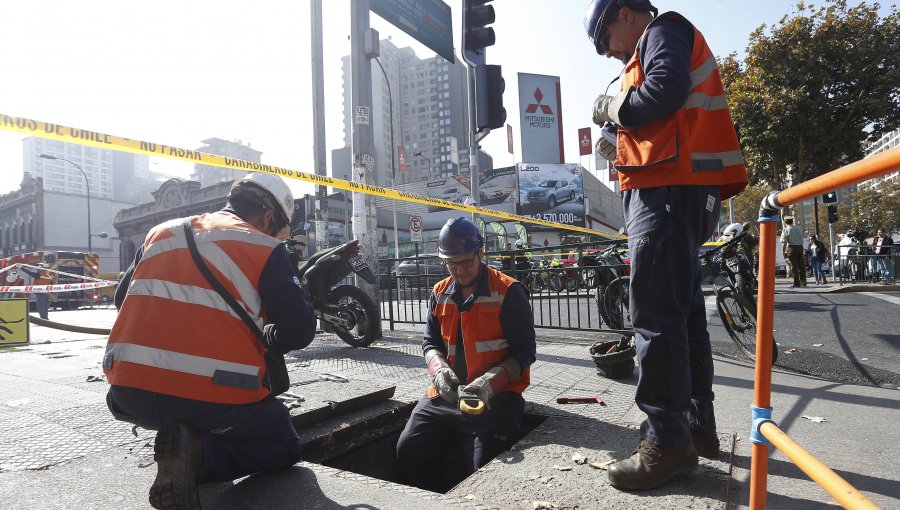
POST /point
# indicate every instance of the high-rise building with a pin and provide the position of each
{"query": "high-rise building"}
(109, 172)
(430, 106)
(885, 142)
(209, 175)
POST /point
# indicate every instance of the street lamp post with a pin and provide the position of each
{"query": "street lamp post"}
(427, 160)
(87, 185)
(393, 150)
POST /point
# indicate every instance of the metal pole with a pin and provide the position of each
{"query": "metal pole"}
(730, 211)
(473, 139)
(393, 150)
(319, 154)
(816, 213)
(363, 158)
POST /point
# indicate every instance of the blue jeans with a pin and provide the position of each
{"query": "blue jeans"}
(666, 227)
(817, 268)
(884, 267)
(43, 305)
(238, 439)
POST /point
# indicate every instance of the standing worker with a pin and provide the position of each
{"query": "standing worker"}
(42, 299)
(182, 362)
(677, 154)
(479, 342)
(792, 239)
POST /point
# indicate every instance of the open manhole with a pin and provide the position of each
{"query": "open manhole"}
(369, 447)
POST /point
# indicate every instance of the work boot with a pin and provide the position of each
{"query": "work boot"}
(706, 442)
(178, 453)
(651, 466)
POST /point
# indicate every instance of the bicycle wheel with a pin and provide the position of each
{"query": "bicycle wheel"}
(614, 305)
(738, 315)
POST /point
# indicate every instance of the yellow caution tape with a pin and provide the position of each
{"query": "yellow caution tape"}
(106, 141)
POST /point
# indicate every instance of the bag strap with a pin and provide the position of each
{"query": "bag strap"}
(232, 302)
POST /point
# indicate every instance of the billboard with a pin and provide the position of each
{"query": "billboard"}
(498, 187)
(552, 192)
(540, 119)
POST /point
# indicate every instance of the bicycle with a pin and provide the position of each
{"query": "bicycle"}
(736, 311)
(611, 282)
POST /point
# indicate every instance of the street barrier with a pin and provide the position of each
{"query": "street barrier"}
(764, 431)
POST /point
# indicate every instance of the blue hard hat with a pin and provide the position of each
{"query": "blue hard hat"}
(459, 237)
(600, 13)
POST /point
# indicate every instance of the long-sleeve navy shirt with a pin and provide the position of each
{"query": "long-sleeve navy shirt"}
(290, 318)
(516, 319)
(665, 53)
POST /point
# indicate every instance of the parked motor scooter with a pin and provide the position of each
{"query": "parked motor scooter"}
(344, 309)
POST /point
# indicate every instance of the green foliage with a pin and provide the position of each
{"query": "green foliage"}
(746, 205)
(872, 207)
(814, 88)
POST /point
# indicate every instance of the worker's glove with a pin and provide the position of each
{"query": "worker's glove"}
(493, 381)
(606, 145)
(606, 108)
(445, 381)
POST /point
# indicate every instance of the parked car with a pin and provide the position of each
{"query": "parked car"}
(424, 273)
(552, 192)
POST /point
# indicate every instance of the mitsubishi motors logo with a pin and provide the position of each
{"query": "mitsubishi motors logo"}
(545, 120)
(538, 95)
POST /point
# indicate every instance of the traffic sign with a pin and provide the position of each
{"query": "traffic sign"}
(415, 229)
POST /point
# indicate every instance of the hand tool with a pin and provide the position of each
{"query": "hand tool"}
(323, 377)
(580, 400)
(470, 403)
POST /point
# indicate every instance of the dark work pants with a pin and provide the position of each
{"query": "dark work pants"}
(238, 439)
(666, 227)
(798, 269)
(435, 426)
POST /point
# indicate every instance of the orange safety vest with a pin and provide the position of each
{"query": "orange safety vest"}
(482, 333)
(695, 145)
(175, 334)
(43, 278)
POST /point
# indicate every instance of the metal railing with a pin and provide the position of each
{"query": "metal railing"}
(564, 297)
(764, 431)
(860, 264)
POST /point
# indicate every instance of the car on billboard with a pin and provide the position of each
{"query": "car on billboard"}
(493, 192)
(551, 192)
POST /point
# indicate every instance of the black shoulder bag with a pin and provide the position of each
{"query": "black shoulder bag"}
(275, 365)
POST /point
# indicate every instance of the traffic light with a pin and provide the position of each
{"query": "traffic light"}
(832, 213)
(489, 87)
(477, 35)
(830, 197)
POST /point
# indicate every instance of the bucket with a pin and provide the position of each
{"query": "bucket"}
(615, 365)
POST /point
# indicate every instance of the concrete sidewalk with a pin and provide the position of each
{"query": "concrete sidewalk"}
(60, 448)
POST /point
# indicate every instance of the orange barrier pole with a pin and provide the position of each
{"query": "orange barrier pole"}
(845, 494)
(762, 388)
(854, 173)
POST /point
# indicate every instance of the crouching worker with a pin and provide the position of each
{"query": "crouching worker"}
(182, 361)
(479, 342)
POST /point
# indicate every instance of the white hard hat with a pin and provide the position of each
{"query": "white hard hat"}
(732, 231)
(277, 189)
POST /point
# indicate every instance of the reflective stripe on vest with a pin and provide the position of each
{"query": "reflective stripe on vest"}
(222, 372)
(696, 144)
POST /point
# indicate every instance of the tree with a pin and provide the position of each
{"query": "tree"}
(814, 88)
(746, 205)
(872, 207)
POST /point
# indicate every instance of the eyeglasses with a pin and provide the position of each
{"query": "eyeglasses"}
(462, 264)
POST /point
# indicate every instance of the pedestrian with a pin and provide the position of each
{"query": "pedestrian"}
(678, 157)
(180, 362)
(41, 299)
(792, 242)
(479, 340)
(13, 279)
(818, 255)
(884, 245)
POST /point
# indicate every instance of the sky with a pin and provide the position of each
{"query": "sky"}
(176, 72)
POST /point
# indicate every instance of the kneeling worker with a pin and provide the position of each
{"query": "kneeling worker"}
(479, 342)
(182, 361)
